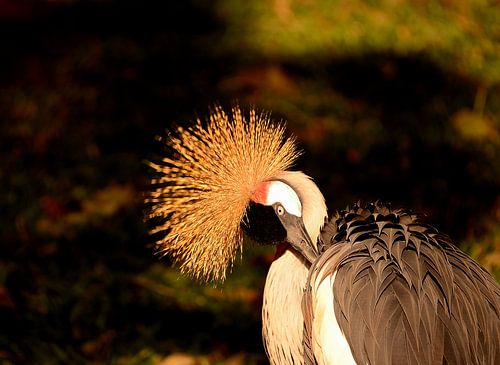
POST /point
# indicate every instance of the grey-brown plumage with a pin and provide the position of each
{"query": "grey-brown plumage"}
(403, 293)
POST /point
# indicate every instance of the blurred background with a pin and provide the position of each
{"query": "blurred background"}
(391, 100)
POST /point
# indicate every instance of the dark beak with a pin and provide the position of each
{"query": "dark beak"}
(299, 239)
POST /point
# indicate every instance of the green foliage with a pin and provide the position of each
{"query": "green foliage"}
(460, 36)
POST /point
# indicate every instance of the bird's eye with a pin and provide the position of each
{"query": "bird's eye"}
(280, 210)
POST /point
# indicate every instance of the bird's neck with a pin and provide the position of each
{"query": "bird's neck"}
(281, 312)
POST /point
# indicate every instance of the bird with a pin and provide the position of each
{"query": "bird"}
(370, 284)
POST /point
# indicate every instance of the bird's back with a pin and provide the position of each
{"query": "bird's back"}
(402, 293)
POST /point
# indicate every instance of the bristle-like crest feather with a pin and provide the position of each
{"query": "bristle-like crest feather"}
(202, 191)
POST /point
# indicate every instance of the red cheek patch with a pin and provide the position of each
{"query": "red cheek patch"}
(260, 194)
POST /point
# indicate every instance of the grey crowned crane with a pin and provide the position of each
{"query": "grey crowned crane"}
(372, 285)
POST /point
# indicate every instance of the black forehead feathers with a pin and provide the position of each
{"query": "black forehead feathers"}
(262, 225)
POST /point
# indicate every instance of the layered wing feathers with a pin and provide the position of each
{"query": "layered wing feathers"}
(403, 293)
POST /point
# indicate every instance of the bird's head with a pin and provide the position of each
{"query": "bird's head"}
(289, 208)
(226, 177)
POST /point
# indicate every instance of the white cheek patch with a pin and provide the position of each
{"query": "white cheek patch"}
(279, 192)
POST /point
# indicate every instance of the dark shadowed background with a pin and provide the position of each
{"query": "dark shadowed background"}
(391, 100)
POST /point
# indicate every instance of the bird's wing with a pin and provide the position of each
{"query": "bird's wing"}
(399, 293)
